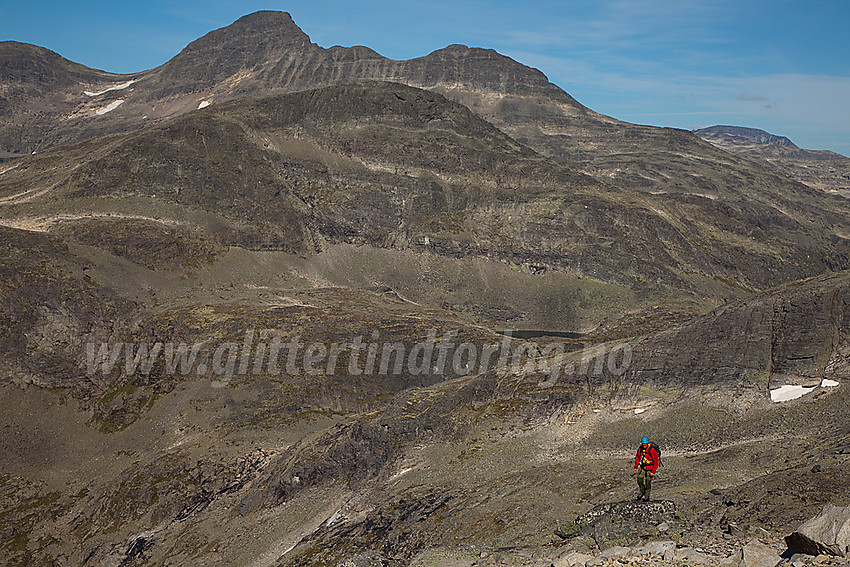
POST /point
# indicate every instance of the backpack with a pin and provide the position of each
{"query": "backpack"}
(652, 445)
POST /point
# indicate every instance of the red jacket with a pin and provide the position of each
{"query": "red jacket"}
(648, 459)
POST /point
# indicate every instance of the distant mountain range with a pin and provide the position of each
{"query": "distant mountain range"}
(820, 169)
(743, 136)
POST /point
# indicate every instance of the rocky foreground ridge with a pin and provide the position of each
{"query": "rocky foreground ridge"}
(613, 526)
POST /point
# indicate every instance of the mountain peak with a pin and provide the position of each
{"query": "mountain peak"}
(242, 45)
(258, 28)
(268, 21)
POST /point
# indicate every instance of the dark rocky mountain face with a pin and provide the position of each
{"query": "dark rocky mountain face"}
(230, 54)
(39, 89)
(378, 221)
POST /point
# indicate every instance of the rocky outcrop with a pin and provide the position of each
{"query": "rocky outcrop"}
(367, 559)
(620, 524)
(827, 533)
(667, 554)
(49, 309)
(573, 559)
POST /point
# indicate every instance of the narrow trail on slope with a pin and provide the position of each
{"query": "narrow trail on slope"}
(45, 223)
(26, 196)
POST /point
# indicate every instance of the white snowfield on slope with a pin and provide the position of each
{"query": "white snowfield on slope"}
(122, 86)
(110, 107)
(792, 392)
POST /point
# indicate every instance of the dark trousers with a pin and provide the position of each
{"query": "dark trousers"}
(644, 482)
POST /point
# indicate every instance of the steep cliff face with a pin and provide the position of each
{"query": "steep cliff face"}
(49, 309)
(796, 334)
(241, 52)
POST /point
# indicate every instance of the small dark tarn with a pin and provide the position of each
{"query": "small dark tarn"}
(531, 334)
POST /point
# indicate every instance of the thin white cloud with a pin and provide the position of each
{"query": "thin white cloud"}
(617, 25)
(749, 97)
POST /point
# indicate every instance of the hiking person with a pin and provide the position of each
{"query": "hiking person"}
(646, 462)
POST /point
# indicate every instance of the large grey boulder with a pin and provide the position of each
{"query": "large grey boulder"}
(690, 556)
(617, 552)
(827, 533)
(757, 554)
(666, 549)
(573, 559)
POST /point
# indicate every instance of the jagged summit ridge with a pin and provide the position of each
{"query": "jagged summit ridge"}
(266, 29)
(268, 21)
(260, 54)
(268, 50)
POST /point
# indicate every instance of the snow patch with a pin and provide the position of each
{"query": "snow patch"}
(9, 168)
(204, 104)
(109, 107)
(639, 410)
(120, 87)
(827, 383)
(402, 472)
(337, 516)
(789, 392)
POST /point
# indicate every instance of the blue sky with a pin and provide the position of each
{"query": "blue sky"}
(779, 65)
